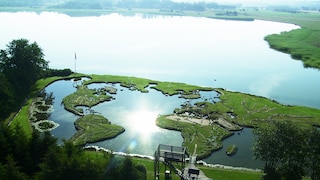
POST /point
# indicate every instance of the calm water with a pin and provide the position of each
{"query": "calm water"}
(199, 51)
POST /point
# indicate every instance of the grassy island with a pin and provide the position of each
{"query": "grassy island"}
(94, 128)
(231, 150)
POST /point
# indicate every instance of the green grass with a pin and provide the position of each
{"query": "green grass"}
(213, 173)
(248, 110)
(302, 44)
(93, 128)
(83, 97)
(232, 149)
(134, 83)
(140, 84)
(207, 138)
(253, 110)
(231, 174)
(172, 88)
(22, 117)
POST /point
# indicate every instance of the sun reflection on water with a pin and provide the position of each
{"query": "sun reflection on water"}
(143, 121)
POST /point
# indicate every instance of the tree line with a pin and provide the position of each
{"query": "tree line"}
(40, 157)
(103, 4)
(21, 64)
(154, 4)
(289, 151)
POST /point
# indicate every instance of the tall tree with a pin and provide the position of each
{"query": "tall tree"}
(265, 148)
(23, 64)
(282, 147)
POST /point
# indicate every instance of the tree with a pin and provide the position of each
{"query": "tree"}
(23, 64)
(10, 170)
(265, 148)
(313, 144)
(282, 147)
(7, 97)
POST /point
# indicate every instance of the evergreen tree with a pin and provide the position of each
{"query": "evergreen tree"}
(23, 64)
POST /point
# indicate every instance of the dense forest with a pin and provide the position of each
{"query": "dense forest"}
(39, 157)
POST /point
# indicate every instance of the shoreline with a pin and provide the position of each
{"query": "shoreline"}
(200, 162)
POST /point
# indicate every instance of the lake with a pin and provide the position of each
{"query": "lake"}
(193, 50)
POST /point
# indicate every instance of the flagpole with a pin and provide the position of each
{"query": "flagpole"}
(75, 62)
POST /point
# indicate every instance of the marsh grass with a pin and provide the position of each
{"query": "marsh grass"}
(302, 44)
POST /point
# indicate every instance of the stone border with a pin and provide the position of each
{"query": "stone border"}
(37, 127)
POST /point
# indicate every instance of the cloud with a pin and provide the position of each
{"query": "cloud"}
(265, 85)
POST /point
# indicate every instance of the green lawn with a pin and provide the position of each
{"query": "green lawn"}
(229, 174)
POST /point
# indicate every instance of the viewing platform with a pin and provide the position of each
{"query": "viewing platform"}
(173, 159)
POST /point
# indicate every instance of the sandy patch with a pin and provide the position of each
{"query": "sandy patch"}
(203, 122)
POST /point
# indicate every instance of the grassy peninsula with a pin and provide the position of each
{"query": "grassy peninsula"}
(302, 44)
